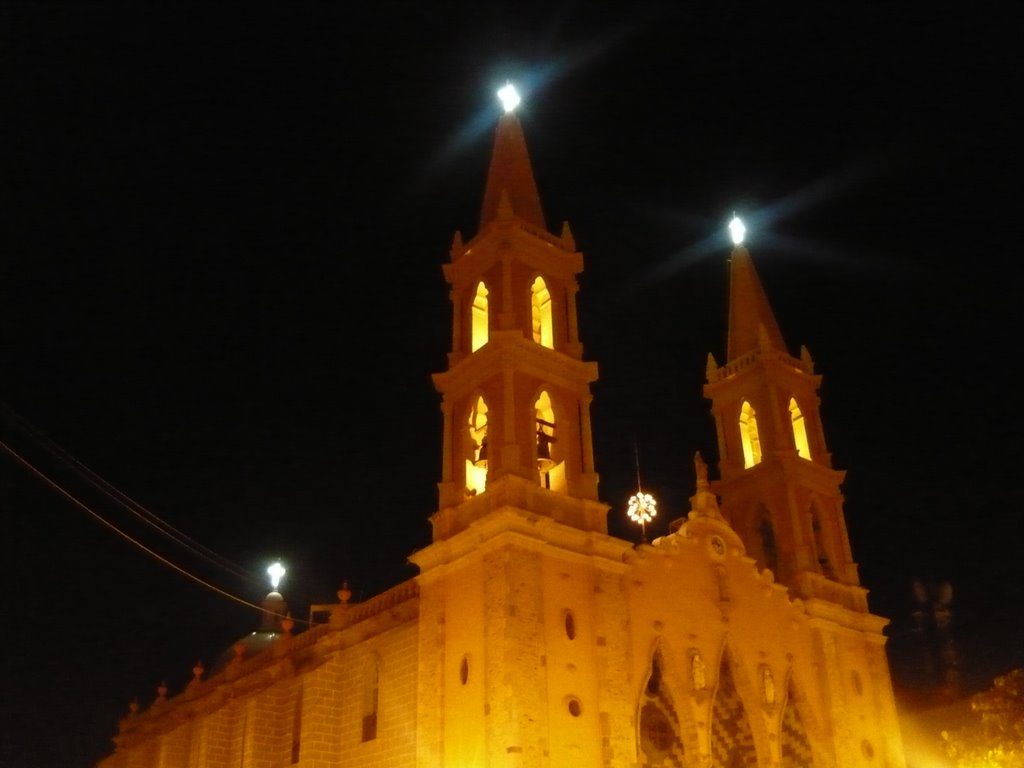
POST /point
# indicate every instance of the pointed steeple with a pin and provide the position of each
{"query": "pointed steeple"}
(752, 323)
(510, 176)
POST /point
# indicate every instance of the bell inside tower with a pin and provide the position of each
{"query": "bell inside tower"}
(550, 466)
(476, 464)
(545, 436)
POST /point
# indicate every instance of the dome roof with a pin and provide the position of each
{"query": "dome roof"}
(274, 610)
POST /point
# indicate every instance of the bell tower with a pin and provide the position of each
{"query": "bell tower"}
(516, 584)
(778, 488)
(516, 393)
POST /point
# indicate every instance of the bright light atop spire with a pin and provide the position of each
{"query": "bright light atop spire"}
(509, 97)
(276, 571)
(737, 230)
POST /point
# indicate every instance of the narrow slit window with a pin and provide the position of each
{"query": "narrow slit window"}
(480, 328)
(297, 726)
(371, 700)
(803, 448)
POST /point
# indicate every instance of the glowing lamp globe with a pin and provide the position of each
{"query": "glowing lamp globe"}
(275, 571)
(509, 97)
(737, 230)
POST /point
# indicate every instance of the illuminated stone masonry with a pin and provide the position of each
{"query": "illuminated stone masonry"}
(531, 638)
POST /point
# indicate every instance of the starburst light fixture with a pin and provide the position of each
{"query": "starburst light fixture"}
(642, 508)
(509, 97)
(737, 230)
(275, 571)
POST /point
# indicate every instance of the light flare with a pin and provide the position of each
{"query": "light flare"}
(509, 97)
(737, 230)
(276, 572)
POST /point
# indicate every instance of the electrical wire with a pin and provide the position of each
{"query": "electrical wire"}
(124, 535)
(135, 508)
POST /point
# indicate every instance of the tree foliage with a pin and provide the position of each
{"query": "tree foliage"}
(997, 741)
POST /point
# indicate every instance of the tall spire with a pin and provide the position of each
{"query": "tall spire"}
(510, 173)
(751, 320)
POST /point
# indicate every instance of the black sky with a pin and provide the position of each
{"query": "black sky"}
(222, 235)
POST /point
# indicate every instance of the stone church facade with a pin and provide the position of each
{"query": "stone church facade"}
(530, 637)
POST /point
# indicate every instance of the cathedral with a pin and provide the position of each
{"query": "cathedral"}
(530, 637)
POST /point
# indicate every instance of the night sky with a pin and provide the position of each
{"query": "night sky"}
(222, 235)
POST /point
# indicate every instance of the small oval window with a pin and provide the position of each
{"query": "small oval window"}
(464, 670)
(575, 708)
(570, 625)
(867, 749)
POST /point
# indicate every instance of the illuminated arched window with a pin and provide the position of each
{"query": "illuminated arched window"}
(799, 430)
(476, 464)
(480, 329)
(541, 300)
(748, 434)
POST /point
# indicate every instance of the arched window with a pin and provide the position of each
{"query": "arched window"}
(820, 544)
(297, 725)
(476, 464)
(794, 744)
(748, 434)
(768, 544)
(545, 435)
(659, 723)
(542, 326)
(480, 322)
(371, 699)
(732, 740)
(803, 449)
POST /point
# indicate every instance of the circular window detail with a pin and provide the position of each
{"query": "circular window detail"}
(464, 670)
(867, 749)
(858, 688)
(570, 625)
(575, 708)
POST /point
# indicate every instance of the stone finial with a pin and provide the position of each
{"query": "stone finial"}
(701, 469)
(127, 723)
(339, 612)
(458, 246)
(345, 593)
(567, 238)
(161, 692)
(711, 369)
(805, 358)
(288, 623)
(197, 679)
(703, 503)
